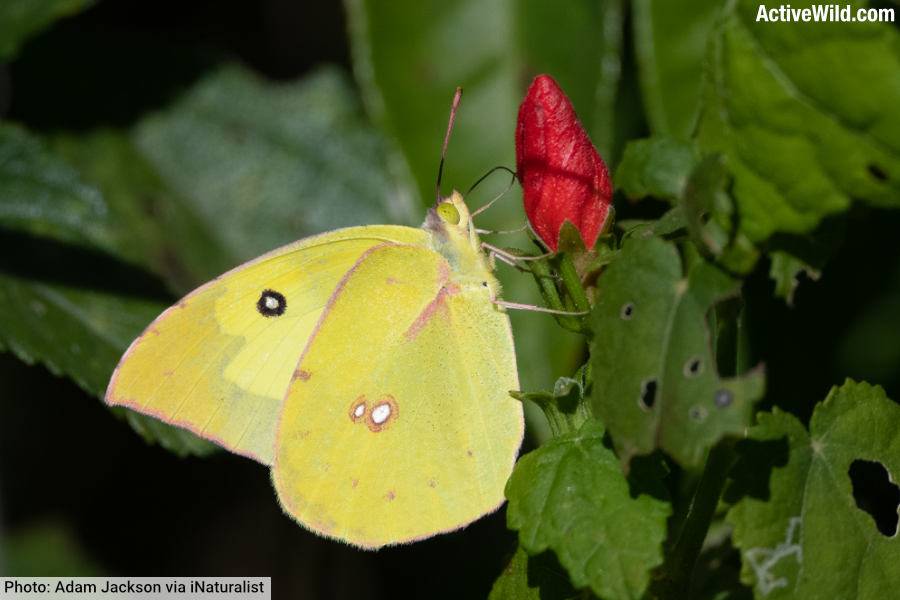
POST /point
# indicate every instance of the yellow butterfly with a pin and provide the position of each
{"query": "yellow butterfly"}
(369, 366)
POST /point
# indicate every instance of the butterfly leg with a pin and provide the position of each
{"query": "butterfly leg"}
(510, 258)
(534, 308)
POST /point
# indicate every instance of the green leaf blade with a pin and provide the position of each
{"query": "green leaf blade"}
(670, 41)
(533, 578)
(656, 383)
(808, 538)
(570, 496)
(264, 164)
(43, 196)
(777, 109)
(657, 166)
(81, 334)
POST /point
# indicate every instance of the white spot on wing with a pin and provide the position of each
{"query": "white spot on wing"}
(360, 410)
(381, 413)
(272, 303)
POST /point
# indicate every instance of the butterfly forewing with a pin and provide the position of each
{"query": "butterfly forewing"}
(219, 361)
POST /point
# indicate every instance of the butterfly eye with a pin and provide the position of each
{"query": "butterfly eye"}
(271, 304)
(448, 213)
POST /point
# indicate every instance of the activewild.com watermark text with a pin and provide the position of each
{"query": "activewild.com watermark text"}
(823, 13)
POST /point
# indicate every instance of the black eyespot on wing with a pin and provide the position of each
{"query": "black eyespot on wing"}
(484, 283)
(271, 303)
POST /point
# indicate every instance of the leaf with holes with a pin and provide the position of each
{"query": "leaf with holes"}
(785, 104)
(712, 219)
(810, 534)
(656, 383)
(570, 496)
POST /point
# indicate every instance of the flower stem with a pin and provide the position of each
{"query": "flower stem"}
(676, 580)
(540, 269)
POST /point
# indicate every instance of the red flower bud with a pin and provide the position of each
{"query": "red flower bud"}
(563, 177)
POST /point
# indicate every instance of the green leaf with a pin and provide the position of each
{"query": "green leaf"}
(712, 218)
(533, 578)
(265, 164)
(786, 271)
(564, 406)
(656, 383)
(801, 110)
(102, 196)
(657, 166)
(81, 333)
(20, 19)
(570, 496)
(68, 305)
(76, 332)
(670, 41)
(671, 223)
(151, 225)
(793, 257)
(43, 196)
(806, 537)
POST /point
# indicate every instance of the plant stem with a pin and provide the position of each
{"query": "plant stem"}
(679, 567)
(572, 282)
(540, 269)
(731, 347)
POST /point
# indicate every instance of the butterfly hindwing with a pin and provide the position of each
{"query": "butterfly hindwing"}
(219, 361)
(398, 424)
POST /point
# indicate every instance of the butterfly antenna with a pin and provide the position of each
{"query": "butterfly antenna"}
(453, 107)
(498, 196)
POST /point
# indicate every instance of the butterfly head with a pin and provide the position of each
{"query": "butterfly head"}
(454, 235)
(450, 221)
